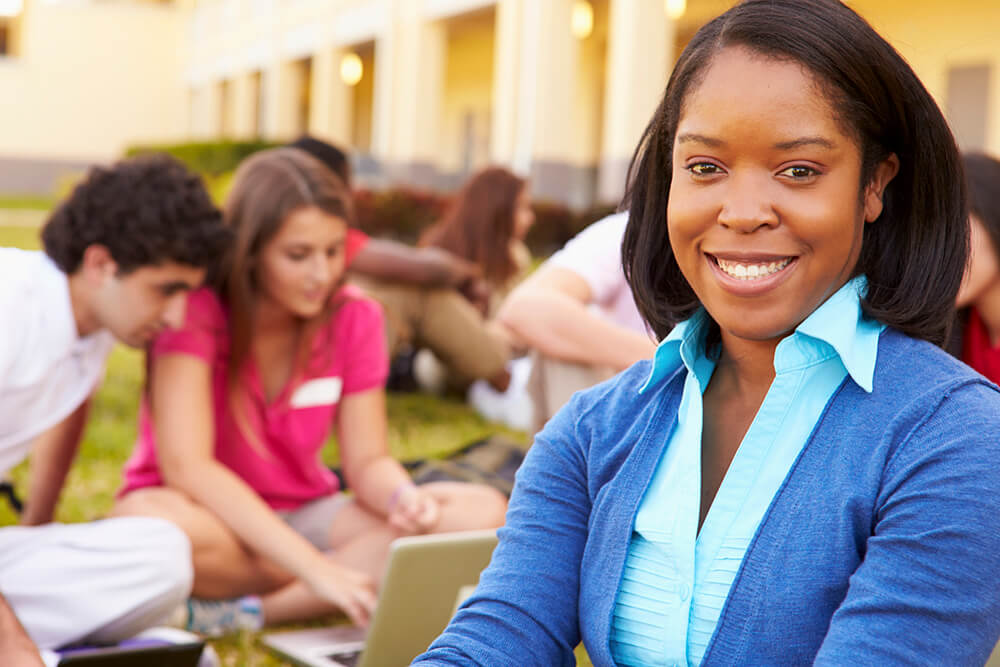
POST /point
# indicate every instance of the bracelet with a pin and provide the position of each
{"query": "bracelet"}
(397, 493)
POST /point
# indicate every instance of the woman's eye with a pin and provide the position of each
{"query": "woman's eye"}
(799, 172)
(703, 169)
(297, 256)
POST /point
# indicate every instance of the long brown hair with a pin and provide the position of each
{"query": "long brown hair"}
(479, 224)
(267, 188)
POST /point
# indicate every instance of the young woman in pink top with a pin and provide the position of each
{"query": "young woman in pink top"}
(241, 400)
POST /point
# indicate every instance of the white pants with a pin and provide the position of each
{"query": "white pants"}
(97, 582)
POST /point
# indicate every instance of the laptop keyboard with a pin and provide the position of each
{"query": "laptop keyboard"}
(347, 658)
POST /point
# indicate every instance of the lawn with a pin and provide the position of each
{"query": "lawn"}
(419, 426)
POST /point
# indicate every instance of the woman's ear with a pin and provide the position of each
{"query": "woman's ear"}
(884, 173)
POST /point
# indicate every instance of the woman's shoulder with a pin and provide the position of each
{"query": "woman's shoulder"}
(920, 387)
(614, 404)
(204, 302)
(350, 302)
(355, 316)
(911, 365)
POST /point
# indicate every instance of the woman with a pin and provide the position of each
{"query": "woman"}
(486, 225)
(241, 399)
(800, 475)
(979, 297)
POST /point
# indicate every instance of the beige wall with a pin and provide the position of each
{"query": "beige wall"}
(92, 79)
(95, 76)
(468, 91)
(934, 37)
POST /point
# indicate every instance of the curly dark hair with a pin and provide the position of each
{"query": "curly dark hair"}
(146, 210)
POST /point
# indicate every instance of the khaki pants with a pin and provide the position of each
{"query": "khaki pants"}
(554, 381)
(443, 321)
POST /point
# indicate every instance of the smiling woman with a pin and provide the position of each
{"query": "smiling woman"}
(799, 476)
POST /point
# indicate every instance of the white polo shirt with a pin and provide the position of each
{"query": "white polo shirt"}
(595, 254)
(46, 369)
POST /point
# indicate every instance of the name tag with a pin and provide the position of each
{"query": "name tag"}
(321, 391)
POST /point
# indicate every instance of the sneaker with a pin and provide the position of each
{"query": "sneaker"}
(214, 618)
(429, 372)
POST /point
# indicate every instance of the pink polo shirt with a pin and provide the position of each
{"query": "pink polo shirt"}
(348, 356)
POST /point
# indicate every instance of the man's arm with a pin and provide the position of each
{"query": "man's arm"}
(16, 647)
(549, 312)
(428, 267)
(52, 453)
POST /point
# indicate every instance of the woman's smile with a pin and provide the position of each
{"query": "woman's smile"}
(749, 275)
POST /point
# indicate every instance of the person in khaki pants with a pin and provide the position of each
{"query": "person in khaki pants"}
(432, 298)
(577, 315)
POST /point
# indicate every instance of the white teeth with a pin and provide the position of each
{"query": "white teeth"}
(751, 271)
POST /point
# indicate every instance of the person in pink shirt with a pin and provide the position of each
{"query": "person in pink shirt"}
(242, 398)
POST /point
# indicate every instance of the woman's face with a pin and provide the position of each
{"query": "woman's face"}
(983, 269)
(524, 216)
(303, 262)
(765, 216)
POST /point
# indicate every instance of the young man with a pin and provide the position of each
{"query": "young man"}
(121, 254)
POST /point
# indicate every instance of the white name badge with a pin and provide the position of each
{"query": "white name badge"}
(321, 391)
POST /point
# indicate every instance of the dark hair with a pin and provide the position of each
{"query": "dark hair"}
(332, 157)
(146, 210)
(479, 224)
(982, 176)
(267, 188)
(914, 255)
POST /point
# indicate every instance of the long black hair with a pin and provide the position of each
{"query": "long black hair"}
(914, 256)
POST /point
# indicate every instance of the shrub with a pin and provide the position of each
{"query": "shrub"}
(398, 213)
(207, 157)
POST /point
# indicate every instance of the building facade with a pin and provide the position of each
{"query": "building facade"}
(422, 91)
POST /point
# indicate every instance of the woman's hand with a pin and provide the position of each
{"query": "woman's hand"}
(412, 510)
(350, 590)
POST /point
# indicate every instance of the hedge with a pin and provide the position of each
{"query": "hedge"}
(207, 157)
(401, 212)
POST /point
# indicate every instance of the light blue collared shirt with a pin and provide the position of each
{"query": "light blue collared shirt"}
(676, 580)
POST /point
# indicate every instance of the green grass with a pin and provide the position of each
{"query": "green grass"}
(30, 202)
(419, 427)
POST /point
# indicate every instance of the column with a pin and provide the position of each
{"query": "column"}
(244, 109)
(506, 71)
(330, 104)
(418, 64)
(640, 52)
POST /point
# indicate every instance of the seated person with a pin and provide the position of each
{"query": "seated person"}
(486, 225)
(121, 254)
(272, 357)
(577, 314)
(432, 298)
(977, 338)
(801, 475)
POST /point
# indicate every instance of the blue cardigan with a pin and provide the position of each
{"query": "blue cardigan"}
(882, 547)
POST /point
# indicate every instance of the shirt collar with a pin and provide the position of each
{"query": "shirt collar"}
(838, 322)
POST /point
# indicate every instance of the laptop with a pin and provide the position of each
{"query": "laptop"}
(155, 647)
(426, 579)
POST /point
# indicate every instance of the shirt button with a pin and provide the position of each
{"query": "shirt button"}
(685, 592)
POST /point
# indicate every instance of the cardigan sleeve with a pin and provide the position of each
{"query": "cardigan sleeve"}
(926, 591)
(525, 611)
